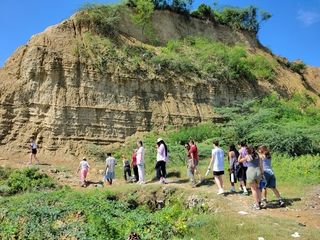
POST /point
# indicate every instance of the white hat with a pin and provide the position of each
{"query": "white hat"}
(159, 140)
(84, 158)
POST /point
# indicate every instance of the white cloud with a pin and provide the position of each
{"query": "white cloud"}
(308, 17)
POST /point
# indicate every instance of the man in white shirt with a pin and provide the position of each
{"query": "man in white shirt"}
(217, 162)
(110, 165)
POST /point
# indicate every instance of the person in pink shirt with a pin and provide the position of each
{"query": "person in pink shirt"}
(162, 157)
(84, 169)
(242, 168)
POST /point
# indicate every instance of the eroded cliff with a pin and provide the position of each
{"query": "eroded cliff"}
(50, 90)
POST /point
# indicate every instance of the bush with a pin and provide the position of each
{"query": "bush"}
(204, 57)
(297, 66)
(4, 173)
(248, 19)
(286, 126)
(204, 12)
(29, 179)
(90, 215)
(100, 17)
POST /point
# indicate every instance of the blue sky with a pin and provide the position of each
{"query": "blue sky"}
(292, 32)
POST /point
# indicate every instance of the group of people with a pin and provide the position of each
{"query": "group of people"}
(248, 165)
(137, 164)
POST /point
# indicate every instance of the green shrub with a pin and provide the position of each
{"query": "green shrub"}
(29, 179)
(208, 58)
(204, 12)
(4, 173)
(100, 17)
(297, 67)
(297, 170)
(89, 215)
(249, 18)
(143, 15)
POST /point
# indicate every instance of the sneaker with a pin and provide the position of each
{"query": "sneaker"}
(256, 207)
(245, 193)
(263, 203)
(281, 203)
(220, 192)
(232, 190)
(142, 182)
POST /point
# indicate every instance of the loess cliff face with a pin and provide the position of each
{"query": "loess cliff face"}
(50, 92)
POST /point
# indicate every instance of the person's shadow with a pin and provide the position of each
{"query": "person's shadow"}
(89, 183)
(206, 182)
(287, 202)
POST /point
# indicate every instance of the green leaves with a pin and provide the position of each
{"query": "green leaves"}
(205, 57)
(90, 215)
(28, 179)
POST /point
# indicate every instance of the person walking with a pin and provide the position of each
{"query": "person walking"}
(269, 177)
(193, 162)
(126, 168)
(83, 169)
(233, 155)
(162, 157)
(242, 168)
(254, 174)
(33, 151)
(110, 167)
(140, 162)
(134, 165)
(217, 161)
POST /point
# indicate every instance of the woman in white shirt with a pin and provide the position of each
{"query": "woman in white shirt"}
(162, 157)
(140, 162)
(217, 162)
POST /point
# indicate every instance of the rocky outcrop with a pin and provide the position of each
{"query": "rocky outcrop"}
(50, 92)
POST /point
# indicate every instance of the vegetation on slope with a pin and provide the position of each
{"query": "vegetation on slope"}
(69, 214)
(194, 55)
(24, 180)
(289, 127)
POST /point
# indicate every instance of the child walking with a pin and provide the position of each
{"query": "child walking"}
(126, 168)
(84, 169)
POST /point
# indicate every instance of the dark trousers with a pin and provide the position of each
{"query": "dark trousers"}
(136, 173)
(161, 169)
(126, 171)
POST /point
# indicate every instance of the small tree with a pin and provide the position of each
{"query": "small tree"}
(143, 15)
(181, 6)
(161, 4)
(204, 11)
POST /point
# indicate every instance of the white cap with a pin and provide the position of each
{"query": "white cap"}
(159, 140)
(84, 158)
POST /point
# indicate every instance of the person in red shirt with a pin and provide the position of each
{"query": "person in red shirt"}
(134, 165)
(193, 163)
